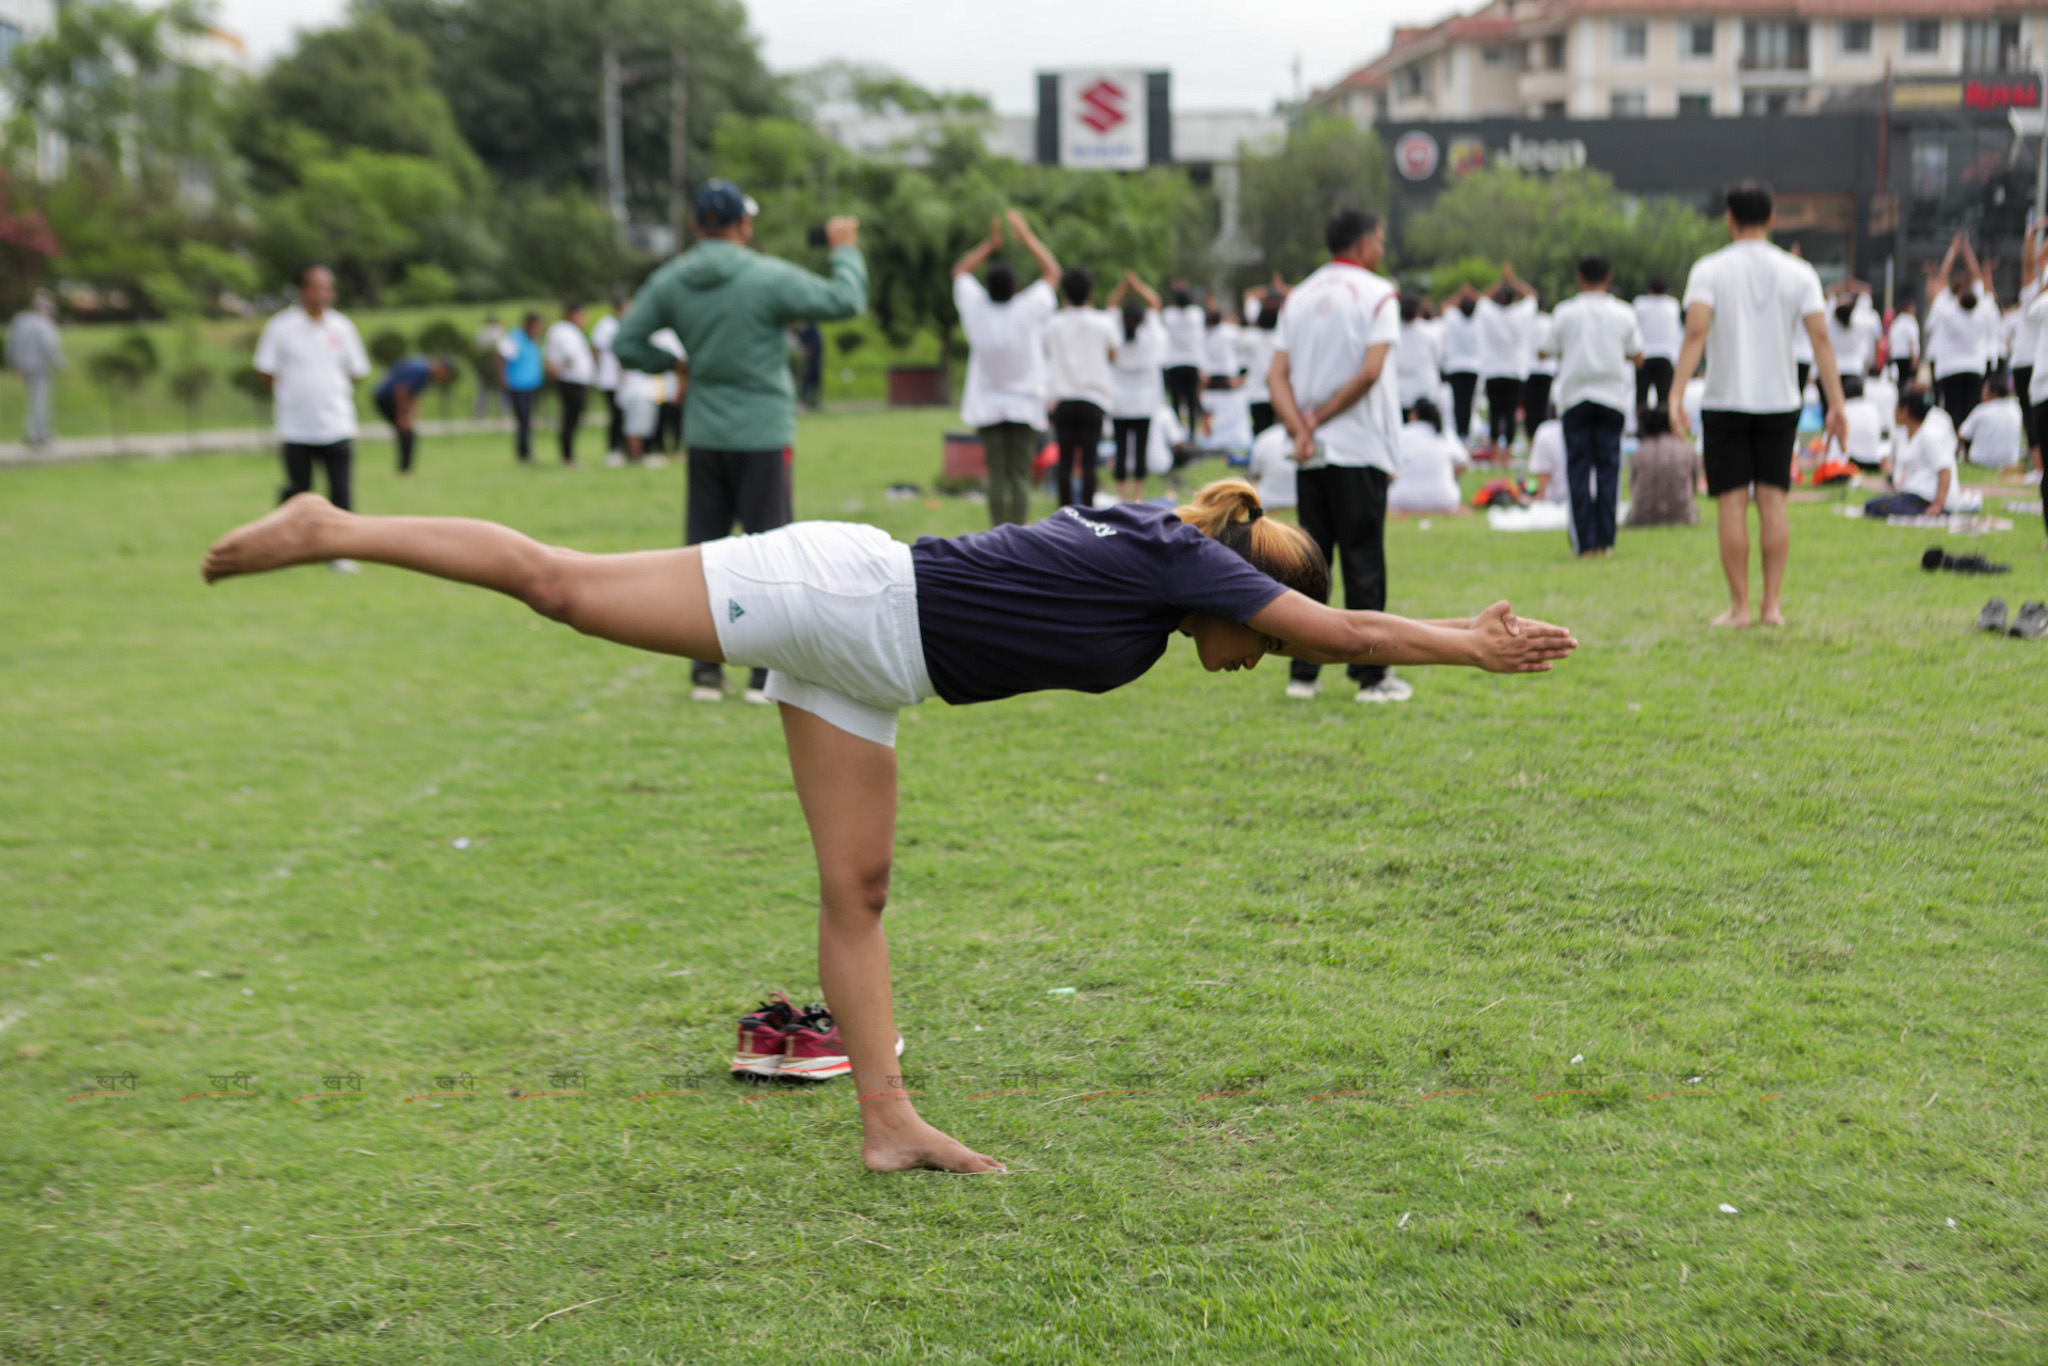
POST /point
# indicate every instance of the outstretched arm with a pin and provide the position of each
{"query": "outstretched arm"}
(1048, 265)
(1142, 290)
(1496, 640)
(981, 250)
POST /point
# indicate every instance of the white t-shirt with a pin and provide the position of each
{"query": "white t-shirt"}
(601, 334)
(1416, 359)
(1546, 456)
(1595, 335)
(1905, 337)
(1219, 350)
(567, 353)
(1135, 387)
(1078, 345)
(1761, 295)
(1855, 341)
(1184, 329)
(1925, 455)
(1960, 341)
(1331, 320)
(1461, 343)
(314, 365)
(1504, 337)
(1272, 467)
(1427, 480)
(638, 386)
(1866, 432)
(1255, 358)
(1996, 433)
(1662, 323)
(1005, 352)
(1802, 350)
(1883, 396)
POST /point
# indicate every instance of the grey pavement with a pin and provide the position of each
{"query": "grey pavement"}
(170, 445)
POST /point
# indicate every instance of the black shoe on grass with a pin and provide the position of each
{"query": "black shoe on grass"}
(1992, 618)
(2032, 622)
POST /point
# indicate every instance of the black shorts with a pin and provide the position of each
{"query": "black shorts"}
(1741, 449)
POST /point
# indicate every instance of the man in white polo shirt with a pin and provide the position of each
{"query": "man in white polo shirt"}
(1333, 385)
(1743, 305)
(1598, 340)
(313, 358)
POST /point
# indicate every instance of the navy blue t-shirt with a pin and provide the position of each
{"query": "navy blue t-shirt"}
(1085, 600)
(412, 374)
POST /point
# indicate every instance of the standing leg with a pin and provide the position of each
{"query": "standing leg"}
(709, 507)
(1535, 404)
(1606, 443)
(615, 423)
(340, 460)
(1088, 443)
(298, 471)
(847, 787)
(1579, 463)
(36, 431)
(1774, 533)
(1462, 386)
(1362, 538)
(574, 396)
(1643, 384)
(1734, 533)
(521, 401)
(1063, 436)
(1314, 513)
(1660, 372)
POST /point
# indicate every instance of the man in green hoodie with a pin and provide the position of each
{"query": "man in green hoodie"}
(732, 306)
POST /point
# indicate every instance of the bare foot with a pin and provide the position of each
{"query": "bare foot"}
(915, 1144)
(1733, 617)
(1773, 617)
(284, 538)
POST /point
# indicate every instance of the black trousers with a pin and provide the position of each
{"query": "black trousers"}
(1904, 370)
(1535, 402)
(338, 459)
(615, 423)
(1503, 396)
(668, 427)
(1184, 396)
(522, 421)
(574, 397)
(1344, 510)
(1262, 415)
(387, 404)
(1077, 426)
(1960, 394)
(1654, 376)
(1133, 435)
(2022, 382)
(1803, 373)
(1463, 384)
(748, 487)
(1592, 465)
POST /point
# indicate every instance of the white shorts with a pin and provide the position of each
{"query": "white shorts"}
(638, 415)
(830, 610)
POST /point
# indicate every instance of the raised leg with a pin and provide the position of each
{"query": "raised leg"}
(651, 600)
(1734, 529)
(1774, 533)
(848, 789)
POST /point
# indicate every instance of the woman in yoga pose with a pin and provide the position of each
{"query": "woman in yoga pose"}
(854, 625)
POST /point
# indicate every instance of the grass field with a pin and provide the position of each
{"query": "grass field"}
(1763, 910)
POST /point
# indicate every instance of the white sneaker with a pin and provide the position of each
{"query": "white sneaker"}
(758, 696)
(345, 566)
(705, 693)
(614, 460)
(1301, 692)
(1388, 689)
(656, 462)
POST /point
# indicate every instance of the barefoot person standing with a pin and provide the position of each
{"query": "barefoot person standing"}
(1742, 305)
(856, 625)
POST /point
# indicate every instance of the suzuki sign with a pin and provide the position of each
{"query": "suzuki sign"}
(1103, 120)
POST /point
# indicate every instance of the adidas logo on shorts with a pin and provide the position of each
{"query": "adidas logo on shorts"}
(733, 610)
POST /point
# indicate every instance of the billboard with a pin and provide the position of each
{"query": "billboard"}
(1104, 119)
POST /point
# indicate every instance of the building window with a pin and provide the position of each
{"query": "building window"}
(1695, 104)
(1992, 45)
(1853, 36)
(1923, 35)
(1504, 54)
(1630, 39)
(1929, 166)
(10, 38)
(1553, 52)
(1774, 45)
(1553, 109)
(1627, 104)
(1411, 82)
(1756, 103)
(1696, 38)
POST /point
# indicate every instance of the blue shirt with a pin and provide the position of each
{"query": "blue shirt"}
(524, 369)
(1085, 600)
(412, 375)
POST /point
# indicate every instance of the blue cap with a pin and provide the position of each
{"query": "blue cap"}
(721, 202)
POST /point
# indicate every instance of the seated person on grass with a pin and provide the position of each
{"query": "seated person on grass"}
(1924, 470)
(1546, 461)
(1430, 461)
(1664, 476)
(1995, 432)
(1865, 448)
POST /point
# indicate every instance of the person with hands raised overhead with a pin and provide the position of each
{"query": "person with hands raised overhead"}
(1004, 398)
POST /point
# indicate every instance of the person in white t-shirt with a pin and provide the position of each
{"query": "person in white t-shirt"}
(1538, 391)
(1136, 387)
(1547, 463)
(2026, 337)
(1853, 329)
(1004, 398)
(1334, 390)
(1219, 350)
(1255, 359)
(1864, 445)
(1184, 321)
(1599, 344)
(607, 382)
(1273, 468)
(1962, 322)
(1924, 471)
(1080, 343)
(1504, 320)
(1459, 357)
(313, 358)
(572, 367)
(1995, 434)
(1743, 305)
(643, 395)
(1902, 340)
(1662, 323)
(1426, 483)
(1417, 359)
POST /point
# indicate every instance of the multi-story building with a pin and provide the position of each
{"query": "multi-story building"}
(1588, 59)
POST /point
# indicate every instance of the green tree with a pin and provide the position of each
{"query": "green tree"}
(1545, 223)
(367, 215)
(562, 245)
(121, 370)
(1287, 194)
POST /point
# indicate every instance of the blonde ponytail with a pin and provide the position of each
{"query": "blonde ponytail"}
(1229, 511)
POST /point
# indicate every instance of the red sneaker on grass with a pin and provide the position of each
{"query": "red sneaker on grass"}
(816, 1052)
(764, 1038)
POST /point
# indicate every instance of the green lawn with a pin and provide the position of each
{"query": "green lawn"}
(1795, 877)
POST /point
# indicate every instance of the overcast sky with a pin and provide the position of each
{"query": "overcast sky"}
(1224, 54)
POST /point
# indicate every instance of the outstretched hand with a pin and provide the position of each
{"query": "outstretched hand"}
(1509, 644)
